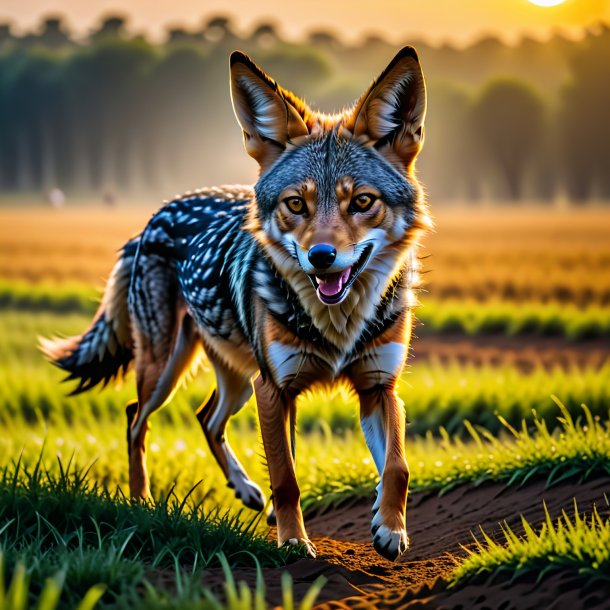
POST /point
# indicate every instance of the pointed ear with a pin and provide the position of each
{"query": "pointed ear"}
(269, 116)
(391, 113)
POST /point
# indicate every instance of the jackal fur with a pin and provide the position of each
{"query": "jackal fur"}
(304, 279)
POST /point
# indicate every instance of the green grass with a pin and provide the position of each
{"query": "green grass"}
(576, 449)
(40, 506)
(580, 543)
(514, 318)
(438, 400)
(64, 297)
(437, 316)
(435, 395)
(62, 522)
(190, 592)
(330, 469)
(17, 595)
(56, 519)
(239, 596)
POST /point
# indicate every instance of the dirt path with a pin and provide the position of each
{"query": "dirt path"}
(359, 578)
(525, 353)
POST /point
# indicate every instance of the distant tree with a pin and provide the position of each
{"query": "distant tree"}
(108, 100)
(116, 113)
(583, 122)
(265, 35)
(218, 29)
(508, 121)
(448, 159)
(374, 41)
(481, 61)
(112, 27)
(180, 36)
(6, 36)
(29, 113)
(54, 33)
(301, 69)
(324, 39)
(185, 112)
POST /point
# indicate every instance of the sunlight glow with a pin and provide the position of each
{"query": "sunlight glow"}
(546, 2)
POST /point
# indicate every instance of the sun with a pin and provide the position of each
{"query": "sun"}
(547, 2)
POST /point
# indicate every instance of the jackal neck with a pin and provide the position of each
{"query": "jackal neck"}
(379, 295)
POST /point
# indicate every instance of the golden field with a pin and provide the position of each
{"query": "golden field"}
(486, 254)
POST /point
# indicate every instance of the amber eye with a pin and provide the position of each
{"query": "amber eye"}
(296, 205)
(362, 202)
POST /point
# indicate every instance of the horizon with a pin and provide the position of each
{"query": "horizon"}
(508, 20)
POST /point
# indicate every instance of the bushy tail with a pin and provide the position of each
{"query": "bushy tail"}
(105, 350)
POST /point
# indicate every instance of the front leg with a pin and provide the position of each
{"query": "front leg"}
(382, 420)
(373, 375)
(274, 408)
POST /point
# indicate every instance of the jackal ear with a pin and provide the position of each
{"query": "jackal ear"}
(269, 116)
(391, 113)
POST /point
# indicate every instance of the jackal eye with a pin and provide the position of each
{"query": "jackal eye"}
(362, 202)
(296, 205)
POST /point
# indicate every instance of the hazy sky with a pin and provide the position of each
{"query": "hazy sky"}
(399, 20)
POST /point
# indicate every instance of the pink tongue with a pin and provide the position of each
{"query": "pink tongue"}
(331, 284)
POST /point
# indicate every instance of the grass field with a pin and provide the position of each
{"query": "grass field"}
(581, 542)
(491, 275)
(485, 254)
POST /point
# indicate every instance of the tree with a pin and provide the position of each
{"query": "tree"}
(448, 160)
(107, 98)
(218, 29)
(6, 36)
(111, 28)
(508, 120)
(583, 120)
(265, 35)
(54, 34)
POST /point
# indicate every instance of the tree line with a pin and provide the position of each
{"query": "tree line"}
(115, 113)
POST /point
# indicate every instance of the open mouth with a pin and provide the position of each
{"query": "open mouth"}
(332, 287)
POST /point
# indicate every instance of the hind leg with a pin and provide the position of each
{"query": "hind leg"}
(157, 378)
(232, 392)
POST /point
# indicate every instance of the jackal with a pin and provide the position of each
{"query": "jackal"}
(304, 279)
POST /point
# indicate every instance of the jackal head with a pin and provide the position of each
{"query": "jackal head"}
(335, 193)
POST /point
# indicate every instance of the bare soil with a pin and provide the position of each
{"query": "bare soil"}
(438, 528)
(525, 353)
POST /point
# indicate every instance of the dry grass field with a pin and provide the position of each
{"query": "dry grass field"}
(514, 254)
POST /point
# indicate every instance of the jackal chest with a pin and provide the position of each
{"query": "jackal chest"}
(298, 366)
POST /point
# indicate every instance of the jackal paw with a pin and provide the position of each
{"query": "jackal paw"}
(249, 493)
(389, 543)
(309, 546)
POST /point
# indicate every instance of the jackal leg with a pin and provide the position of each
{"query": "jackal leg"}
(271, 520)
(382, 418)
(232, 392)
(274, 415)
(157, 379)
(383, 424)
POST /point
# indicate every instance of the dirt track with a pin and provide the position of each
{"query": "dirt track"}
(359, 578)
(524, 353)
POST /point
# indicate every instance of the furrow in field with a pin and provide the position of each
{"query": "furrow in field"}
(357, 577)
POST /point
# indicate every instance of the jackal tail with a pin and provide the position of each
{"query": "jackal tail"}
(105, 350)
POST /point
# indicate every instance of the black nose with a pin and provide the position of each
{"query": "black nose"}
(322, 256)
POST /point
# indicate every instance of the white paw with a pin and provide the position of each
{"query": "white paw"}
(248, 492)
(377, 521)
(390, 544)
(308, 545)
